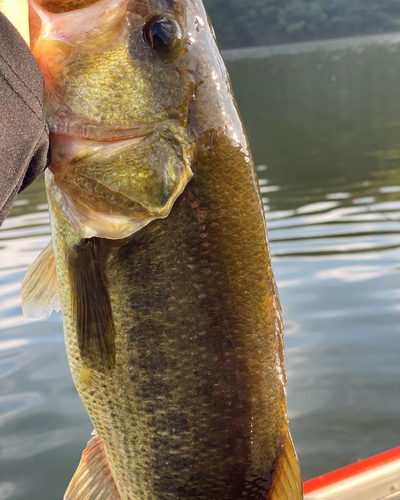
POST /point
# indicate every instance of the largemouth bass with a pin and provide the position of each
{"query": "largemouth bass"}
(160, 258)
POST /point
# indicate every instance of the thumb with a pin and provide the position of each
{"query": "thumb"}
(17, 12)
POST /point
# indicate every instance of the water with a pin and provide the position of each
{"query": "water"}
(324, 124)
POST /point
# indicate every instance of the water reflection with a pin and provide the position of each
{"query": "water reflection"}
(6, 490)
(328, 154)
(327, 135)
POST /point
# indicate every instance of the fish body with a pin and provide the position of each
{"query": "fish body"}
(171, 314)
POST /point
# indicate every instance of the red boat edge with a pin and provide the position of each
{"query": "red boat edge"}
(352, 470)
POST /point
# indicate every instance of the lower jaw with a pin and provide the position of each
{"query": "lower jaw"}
(88, 223)
(65, 147)
(104, 226)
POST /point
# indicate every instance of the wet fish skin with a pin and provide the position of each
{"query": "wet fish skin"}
(181, 368)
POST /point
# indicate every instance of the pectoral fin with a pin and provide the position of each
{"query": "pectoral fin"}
(93, 478)
(40, 295)
(91, 305)
(287, 483)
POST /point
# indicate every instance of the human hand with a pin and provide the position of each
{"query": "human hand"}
(17, 12)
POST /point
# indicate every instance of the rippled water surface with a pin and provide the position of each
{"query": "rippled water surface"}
(324, 124)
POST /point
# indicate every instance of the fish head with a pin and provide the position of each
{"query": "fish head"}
(123, 83)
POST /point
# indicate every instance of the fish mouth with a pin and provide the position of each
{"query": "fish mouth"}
(100, 134)
(113, 183)
(65, 146)
(90, 223)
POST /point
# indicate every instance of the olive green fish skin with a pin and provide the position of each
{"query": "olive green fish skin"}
(192, 402)
(197, 400)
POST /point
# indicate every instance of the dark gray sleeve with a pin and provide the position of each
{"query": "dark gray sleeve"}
(24, 135)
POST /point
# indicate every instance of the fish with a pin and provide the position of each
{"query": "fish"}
(159, 259)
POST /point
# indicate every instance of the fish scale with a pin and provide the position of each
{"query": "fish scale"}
(215, 357)
(171, 313)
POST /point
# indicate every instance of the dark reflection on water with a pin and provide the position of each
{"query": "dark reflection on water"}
(324, 124)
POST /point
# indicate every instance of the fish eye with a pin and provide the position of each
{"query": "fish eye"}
(161, 33)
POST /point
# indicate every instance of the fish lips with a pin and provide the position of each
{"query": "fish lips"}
(113, 188)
